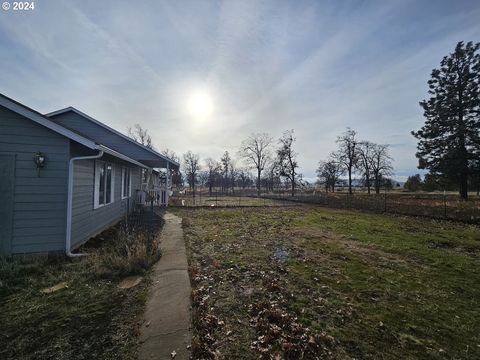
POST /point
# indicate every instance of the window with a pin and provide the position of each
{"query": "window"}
(126, 183)
(104, 183)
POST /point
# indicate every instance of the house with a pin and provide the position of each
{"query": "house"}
(65, 177)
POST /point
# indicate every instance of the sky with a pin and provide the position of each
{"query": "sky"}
(264, 66)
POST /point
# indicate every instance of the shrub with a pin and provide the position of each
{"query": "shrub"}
(128, 252)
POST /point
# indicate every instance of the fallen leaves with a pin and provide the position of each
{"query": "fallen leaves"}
(280, 331)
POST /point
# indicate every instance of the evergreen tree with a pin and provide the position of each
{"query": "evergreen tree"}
(413, 183)
(450, 139)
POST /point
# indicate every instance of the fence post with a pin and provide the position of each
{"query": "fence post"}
(216, 198)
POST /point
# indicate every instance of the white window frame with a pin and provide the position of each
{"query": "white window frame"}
(96, 193)
(125, 169)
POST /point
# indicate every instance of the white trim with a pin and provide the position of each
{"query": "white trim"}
(96, 192)
(68, 235)
(124, 169)
(42, 120)
(167, 185)
(95, 121)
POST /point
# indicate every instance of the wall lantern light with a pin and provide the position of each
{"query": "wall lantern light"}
(39, 159)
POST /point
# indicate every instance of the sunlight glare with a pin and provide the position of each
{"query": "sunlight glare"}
(200, 105)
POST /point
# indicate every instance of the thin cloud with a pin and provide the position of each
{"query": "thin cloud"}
(316, 67)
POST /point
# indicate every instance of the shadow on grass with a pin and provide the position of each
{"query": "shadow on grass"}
(89, 318)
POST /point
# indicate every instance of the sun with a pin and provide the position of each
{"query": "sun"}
(200, 105)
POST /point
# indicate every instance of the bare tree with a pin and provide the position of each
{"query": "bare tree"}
(226, 162)
(272, 178)
(329, 172)
(140, 135)
(192, 167)
(244, 178)
(170, 154)
(255, 150)
(175, 173)
(233, 175)
(365, 153)
(348, 153)
(381, 165)
(287, 159)
(213, 169)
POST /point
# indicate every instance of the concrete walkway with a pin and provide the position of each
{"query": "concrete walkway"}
(167, 323)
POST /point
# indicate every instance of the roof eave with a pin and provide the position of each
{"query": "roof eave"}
(70, 108)
(118, 155)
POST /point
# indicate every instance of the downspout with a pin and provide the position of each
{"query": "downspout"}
(68, 237)
(167, 183)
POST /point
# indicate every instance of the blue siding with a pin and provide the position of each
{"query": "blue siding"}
(39, 208)
(39, 202)
(87, 221)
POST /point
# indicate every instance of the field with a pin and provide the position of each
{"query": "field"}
(88, 317)
(281, 282)
(434, 205)
(202, 199)
(429, 204)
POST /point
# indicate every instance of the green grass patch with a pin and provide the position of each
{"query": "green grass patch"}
(359, 285)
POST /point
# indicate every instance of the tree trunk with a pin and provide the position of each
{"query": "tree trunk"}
(293, 185)
(464, 186)
(350, 180)
(259, 172)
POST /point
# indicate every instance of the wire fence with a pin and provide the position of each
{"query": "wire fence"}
(246, 198)
(146, 218)
(433, 205)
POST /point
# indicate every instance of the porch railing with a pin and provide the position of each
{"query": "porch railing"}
(158, 195)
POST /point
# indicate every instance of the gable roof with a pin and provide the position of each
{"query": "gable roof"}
(35, 116)
(40, 119)
(119, 142)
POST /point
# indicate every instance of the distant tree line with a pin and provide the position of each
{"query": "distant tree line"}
(433, 182)
(353, 156)
(259, 163)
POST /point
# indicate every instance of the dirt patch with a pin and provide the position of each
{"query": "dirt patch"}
(367, 252)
